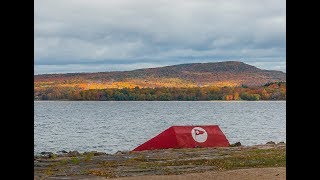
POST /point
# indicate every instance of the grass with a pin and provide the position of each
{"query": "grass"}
(53, 156)
(88, 156)
(252, 158)
(48, 171)
(139, 158)
(63, 162)
(75, 160)
(109, 163)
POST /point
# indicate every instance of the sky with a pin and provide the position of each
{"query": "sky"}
(119, 35)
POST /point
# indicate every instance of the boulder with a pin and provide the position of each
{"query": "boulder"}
(73, 153)
(46, 153)
(62, 152)
(235, 144)
(270, 142)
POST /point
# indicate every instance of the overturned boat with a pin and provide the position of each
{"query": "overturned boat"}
(186, 137)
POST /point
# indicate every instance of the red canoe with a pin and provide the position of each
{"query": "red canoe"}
(186, 137)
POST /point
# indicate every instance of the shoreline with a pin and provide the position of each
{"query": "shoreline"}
(57, 153)
(159, 162)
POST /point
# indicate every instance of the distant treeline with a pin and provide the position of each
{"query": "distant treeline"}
(270, 91)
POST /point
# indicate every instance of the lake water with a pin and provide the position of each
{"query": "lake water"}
(110, 126)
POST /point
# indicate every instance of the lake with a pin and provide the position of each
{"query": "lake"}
(112, 126)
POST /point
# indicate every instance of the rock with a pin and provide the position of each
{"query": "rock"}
(270, 142)
(95, 153)
(73, 153)
(122, 152)
(52, 155)
(46, 153)
(119, 152)
(99, 153)
(281, 143)
(235, 144)
(62, 152)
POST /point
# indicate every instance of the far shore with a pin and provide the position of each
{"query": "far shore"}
(165, 101)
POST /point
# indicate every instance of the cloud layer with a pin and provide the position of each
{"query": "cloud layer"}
(107, 35)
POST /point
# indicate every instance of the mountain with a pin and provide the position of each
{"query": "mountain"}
(229, 73)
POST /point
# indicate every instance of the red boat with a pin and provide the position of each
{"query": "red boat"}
(186, 137)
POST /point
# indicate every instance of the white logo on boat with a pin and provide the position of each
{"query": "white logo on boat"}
(199, 134)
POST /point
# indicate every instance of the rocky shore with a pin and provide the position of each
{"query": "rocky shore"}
(99, 165)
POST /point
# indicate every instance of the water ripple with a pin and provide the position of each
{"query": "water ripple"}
(112, 126)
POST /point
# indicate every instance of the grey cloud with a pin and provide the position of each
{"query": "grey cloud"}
(156, 32)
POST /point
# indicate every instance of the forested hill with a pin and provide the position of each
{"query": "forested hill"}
(229, 73)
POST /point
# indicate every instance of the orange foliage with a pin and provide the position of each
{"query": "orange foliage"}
(236, 96)
(229, 97)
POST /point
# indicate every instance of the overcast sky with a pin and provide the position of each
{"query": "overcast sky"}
(110, 35)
